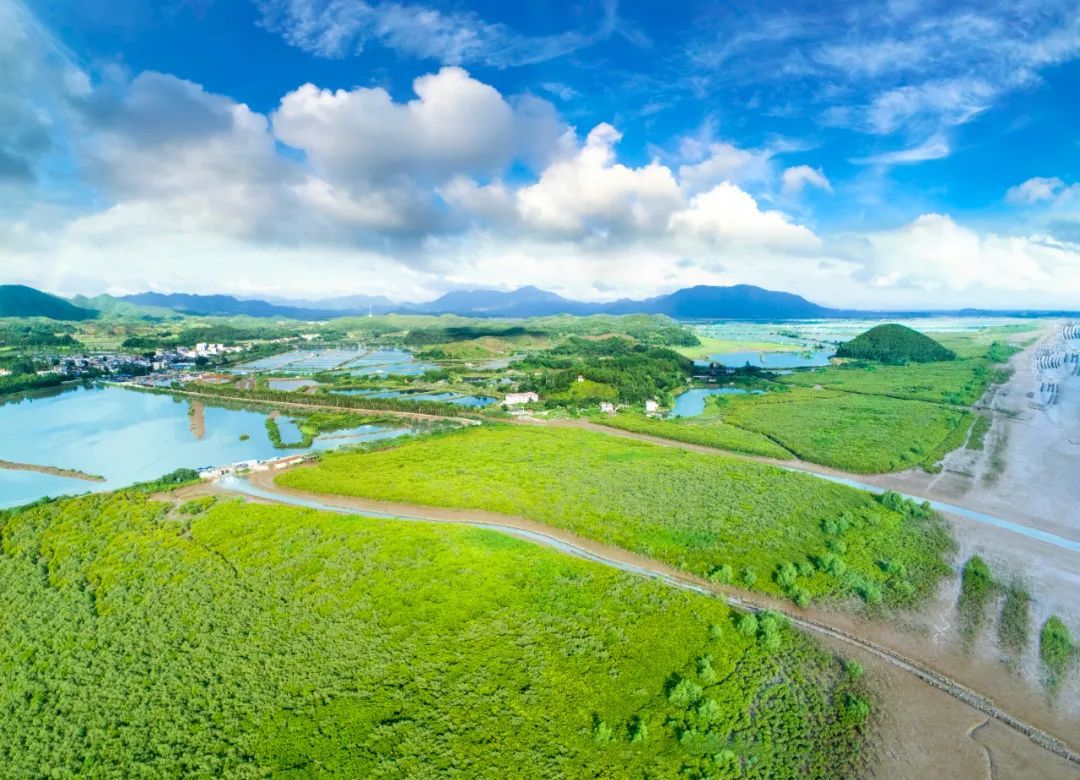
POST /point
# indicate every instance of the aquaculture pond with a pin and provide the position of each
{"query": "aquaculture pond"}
(127, 436)
(770, 359)
(290, 385)
(691, 403)
(355, 360)
(388, 361)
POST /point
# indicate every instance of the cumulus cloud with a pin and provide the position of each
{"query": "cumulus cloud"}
(592, 192)
(934, 253)
(727, 214)
(720, 161)
(1034, 190)
(459, 185)
(795, 179)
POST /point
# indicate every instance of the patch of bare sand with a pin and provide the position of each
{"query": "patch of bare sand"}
(197, 418)
(923, 733)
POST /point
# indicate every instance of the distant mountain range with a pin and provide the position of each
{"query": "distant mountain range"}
(738, 302)
(702, 302)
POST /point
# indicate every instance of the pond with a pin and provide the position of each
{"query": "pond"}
(128, 436)
(691, 403)
(291, 385)
(388, 361)
(301, 361)
(770, 359)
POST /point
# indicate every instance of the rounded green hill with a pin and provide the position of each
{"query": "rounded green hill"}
(894, 344)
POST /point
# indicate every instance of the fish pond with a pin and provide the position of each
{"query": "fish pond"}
(691, 403)
(127, 436)
(808, 359)
(353, 360)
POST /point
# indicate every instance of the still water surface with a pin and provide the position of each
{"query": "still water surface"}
(128, 436)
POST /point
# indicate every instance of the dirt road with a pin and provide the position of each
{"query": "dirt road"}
(904, 757)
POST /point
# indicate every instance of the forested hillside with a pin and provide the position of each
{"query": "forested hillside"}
(894, 344)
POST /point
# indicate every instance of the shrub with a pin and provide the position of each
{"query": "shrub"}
(747, 625)
(976, 589)
(684, 693)
(1056, 649)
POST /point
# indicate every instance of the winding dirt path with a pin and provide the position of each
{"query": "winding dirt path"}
(262, 487)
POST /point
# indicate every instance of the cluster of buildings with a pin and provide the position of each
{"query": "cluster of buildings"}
(100, 365)
(205, 350)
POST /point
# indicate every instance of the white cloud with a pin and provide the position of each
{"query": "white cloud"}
(455, 124)
(591, 192)
(1034, 190)
(338, 28)
(721, 161)
(795, 179)
(935, 254)
(934, 148)
(728, 215)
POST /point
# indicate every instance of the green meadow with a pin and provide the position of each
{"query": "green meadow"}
(752, 524)
(848, 431)
(245, 641)
(706, 430)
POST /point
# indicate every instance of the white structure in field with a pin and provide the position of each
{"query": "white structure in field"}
(651, 407)
(514, 399)
(607, 408)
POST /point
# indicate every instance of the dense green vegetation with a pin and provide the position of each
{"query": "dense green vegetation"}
(616, 368)
(976, 589)
(979, 430)
(895, 344)
(859, 433)
(311, 425)
(1014, 619)
(706, 514)
(704, 430)
(23, 333)
(218, 639)
(1057, 650)
(959, 383)
(332, 401)
(18, 383)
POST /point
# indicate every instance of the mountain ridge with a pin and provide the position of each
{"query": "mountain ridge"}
(18, 300)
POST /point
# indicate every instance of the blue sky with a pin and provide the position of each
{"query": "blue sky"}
(902, 154)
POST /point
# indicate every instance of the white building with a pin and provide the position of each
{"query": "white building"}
(514, 399)
(651, 406)
(607, 408)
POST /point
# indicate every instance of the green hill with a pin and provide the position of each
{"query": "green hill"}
(117, 308)
(17, 300)
(894, 344)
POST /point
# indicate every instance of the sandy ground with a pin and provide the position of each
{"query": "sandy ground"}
(55, 471)
(1041, 453)
(197, 417)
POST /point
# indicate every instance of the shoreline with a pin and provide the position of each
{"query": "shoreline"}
(54, 471)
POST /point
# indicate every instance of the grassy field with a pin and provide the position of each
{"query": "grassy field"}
(242, 641)
(706, 430)
(713, 346)
(958, 382)
(731, 520)
(858, 433)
